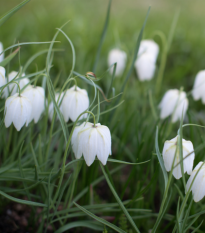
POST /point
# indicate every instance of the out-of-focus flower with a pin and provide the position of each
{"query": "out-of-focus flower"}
(1, 50)
(145, 67)
(37, 96)
(173, 102)
(18, 110)
(13, 88)
(198, 91)
(90, 141)
(149, 47)
(169, 151)
(74, 103)
(117, 56)
(51, 105)
(2, 76)
(198, 186)
(145, 64)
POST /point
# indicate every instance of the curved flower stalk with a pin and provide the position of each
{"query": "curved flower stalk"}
(18, 110)
(198, 186)
(74, 103)
(1, 50)
(91, 140)
(12, 88)
(198, 91)
(37, 96)
(174, 102)
(169, 150)
(117, 56)
(51, 105)
(2, 76)
(145, 64)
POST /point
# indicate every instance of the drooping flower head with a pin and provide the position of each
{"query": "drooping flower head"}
(18, 110)
(198, 91)
(1, 50)
(145, 63)
(2, 76)
(74, 103)
(169, 150)
(173, 102)
(198, 186)
(117, 56)
(37, 96)
(13, 88)
(90, 141)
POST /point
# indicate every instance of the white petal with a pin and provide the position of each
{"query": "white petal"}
(1, 50)
(9, 111)
(117, 56)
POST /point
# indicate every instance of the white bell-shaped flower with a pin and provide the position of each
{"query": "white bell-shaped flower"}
(198, 91)
(169, 151)
(37, 96)
(117, 56)
(90, 141)
(149, 47)
(18, 110)
(51, 105)
(145, 64)
(145, 67)
(198, 186)
(13, 88)
(2, 76)
(173, 103)
(74, 103)
(1, 50)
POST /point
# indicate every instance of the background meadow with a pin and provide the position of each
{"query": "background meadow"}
(31, 160)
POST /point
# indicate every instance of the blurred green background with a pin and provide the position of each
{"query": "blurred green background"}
(38, 20)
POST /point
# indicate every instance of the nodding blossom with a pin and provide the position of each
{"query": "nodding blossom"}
(169, 150)
(117, 56)
(91, 141)
(145, 64)
(2, 76)
(37, 96)
(198, 91)
(18, 110)
(13, 88)
(74, 103)
(198, 185)
(1, 50)
(173, 103)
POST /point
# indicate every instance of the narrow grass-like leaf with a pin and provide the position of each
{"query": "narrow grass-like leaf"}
(123, 162)
(103, 221)
(31, 203)
(102, 37)
(160, 159)
(88, 224)
(12, 11)
(119, 201)
(9, 58)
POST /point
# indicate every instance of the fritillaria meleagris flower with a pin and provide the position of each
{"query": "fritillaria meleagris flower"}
(37, 96)
(145, 63)
(169, 151)
(117, 56)
(91, 141)
(18, 110)
(2, 76)
(74, 103)
(198, 91)
(198, 186)
(59, 103)
(173, 102)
